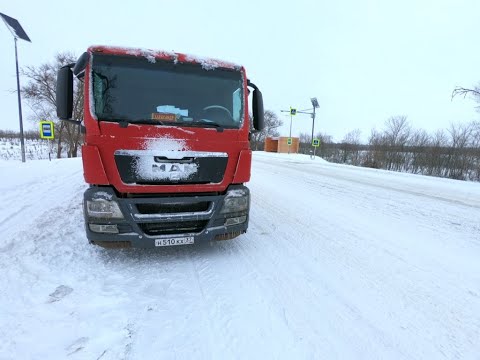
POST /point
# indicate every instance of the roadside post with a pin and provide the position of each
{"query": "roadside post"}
(312, 113)
(293, 112)
(315, 144)
(18, 33)
(47, 132)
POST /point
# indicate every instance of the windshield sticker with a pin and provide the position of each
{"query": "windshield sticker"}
(170, 109)
(164, 117)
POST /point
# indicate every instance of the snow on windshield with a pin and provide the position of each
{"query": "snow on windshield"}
(211, 64)
(152, 55)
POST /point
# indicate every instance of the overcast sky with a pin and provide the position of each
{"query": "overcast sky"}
(365, 60)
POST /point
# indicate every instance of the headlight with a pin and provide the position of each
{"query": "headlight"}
(103, 209)
(232, 204)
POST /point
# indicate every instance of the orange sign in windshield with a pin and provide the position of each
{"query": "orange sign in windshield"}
(164, 117)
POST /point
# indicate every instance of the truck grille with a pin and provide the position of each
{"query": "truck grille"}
(172, 208)
(187, 167)
(173, 228)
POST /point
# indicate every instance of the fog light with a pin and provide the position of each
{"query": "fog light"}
(101, 228)
(235, 220)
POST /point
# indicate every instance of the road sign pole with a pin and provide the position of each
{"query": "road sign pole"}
(292, 111)
(290, 136)
(313, 123)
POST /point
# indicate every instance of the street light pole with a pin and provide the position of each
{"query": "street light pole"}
(315, 105)
(313, 130)
(18, 33)
(313, 122)
(22, 141)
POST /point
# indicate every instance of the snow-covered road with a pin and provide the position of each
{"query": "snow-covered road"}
(338, 263)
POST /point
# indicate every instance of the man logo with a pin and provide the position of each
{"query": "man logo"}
(167, 168)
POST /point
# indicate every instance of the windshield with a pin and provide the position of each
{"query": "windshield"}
(135, 90)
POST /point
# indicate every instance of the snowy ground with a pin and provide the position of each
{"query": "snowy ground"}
(338, 263)
(10, 149)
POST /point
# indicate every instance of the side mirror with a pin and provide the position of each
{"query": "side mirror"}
(257, 104)
(80, 65)
(64, 96)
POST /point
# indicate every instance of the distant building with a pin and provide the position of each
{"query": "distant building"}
(280, 144)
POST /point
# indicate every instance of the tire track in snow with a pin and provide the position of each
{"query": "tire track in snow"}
(201, 270)
(345, 191)
(355, 251)
(166, 305)
(31, 198)
(239, 308)
(355, 176)
(302, 288)
(40, 261)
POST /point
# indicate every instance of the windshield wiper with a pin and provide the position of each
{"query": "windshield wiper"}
(200, 123)
(124, 122)
(146, 121)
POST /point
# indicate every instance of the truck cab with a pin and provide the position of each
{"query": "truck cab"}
(166, 152)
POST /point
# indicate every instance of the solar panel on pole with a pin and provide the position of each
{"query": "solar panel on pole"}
(18, 33)
(15, 27)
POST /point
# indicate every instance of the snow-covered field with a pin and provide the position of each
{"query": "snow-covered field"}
(10, 149)
(339, 263)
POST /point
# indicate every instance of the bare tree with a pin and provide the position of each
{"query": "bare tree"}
(474, 93)
(458, 159)
(475, 144)
(417, 161)
(350, 147)
(272, 123)
(436, 157)
(305, 143)
(376, 156)
(40, 93)
(397, 130)
(396, 135)
(327, 148)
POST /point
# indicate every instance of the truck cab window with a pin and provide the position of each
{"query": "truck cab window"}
(237, 105)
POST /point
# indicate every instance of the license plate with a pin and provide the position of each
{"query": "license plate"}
(174, 241)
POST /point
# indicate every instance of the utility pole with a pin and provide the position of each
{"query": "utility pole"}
(315, 105)
(22, 141)
(292, 111)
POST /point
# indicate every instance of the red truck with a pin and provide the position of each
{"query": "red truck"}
(166, 150)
